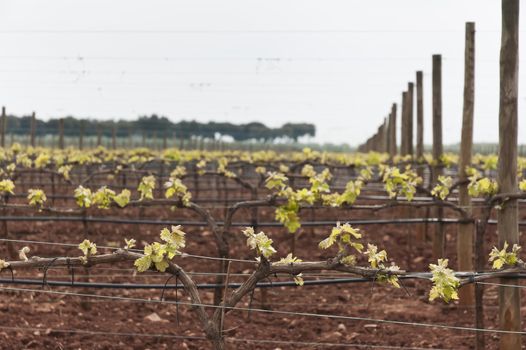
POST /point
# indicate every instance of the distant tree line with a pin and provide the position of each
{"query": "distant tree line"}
(148, 125)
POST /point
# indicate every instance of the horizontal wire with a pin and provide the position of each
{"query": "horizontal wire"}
(230, 339)
(277, 312)
(275, 284)
(410, 275)
(81, 331)
(113, 220)
(502, 285)
(116, 248)
(317, 344)
(223, 31)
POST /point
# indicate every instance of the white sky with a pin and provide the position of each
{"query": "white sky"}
(337, 64)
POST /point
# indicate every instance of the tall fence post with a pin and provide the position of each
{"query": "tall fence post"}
(466, 230)
(81, 134)
(388, 134)
(419, 117)
(438, 237)
(99, 135)
(385, 136)
(61, 133)
(392, 136)
(404, 149)
(410, 103)
(165, 140)
(113, 136)
(33, 128)
(181, 142)
(3, 127)
(507, 216)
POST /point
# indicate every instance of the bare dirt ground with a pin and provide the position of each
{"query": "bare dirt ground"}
(35, 320)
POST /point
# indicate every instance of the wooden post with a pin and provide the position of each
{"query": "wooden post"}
(129, 139)
(507, 216)
(81, 135)
(385, 138)
(437, 107)
(480, 263)
(392, 122)
(419, 156)
(410, 103)
(99, 135)
(419, 117)
(61, 133)
(388, 134)
(404, 147)
(3, 127)
(181, 143)
(438, 237)
(113, 137)
(33, 129)
(466, 230)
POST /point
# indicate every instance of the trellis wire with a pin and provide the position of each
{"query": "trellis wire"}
(277, 312)
(231, 339)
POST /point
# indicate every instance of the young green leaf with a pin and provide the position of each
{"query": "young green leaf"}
(123, 198)
(129, 243)
(259, 242)
(83, 197)
(88, 248)
(445, 283)
(503, 257)
(36, 197)
(7, 186)
(146, 187)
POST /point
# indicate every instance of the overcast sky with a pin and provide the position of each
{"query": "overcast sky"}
(337, 64)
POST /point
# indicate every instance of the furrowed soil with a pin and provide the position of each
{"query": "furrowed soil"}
(38, 319)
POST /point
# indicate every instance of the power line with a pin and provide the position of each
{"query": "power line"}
(226, 31)
(251, 59)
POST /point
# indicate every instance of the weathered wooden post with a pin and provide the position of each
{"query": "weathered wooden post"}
(507, 216)
(113, 136)
(410, 103)
(404, 147)
(3, 126)
(388, 134)
(419, 155)
(438, 237)
(392, 122)
(466, 230)
(32, 130)
(61, 133)
(378, 139)
(99, 135)
(385, 138)
(154, 140)
(81, 135)
(419, 117)
(181, 142)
